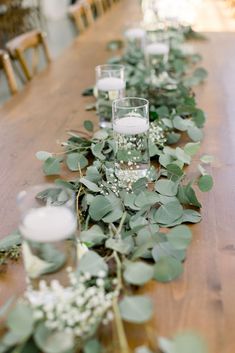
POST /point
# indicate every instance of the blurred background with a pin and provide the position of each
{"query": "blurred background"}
(20, 16)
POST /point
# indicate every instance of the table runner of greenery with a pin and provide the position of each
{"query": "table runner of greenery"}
(129, 236)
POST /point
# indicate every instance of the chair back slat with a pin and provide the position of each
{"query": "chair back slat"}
(5, 63)
(30, 40)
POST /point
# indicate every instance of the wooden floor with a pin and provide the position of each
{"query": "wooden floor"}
(203, 298)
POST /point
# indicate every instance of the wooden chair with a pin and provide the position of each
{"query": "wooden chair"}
(5, 64)
(30, 40)
(82, 14)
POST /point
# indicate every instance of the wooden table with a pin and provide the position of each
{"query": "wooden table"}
(203, 298)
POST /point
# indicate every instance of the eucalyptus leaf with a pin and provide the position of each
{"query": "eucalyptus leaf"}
(164, 248)
(191, 216)
(167, 269)
(184, 342)
(180, 237)
(90, 185)
(76, 161)
(92, 263)
(205, 183)
(146, 198)
(123, 246)
(139, 185)
(94, 235)
(175, 173)
(182, 156)
(138, 273)
(195, 133)
(11, 240)
(100, 207)
(88, 125)
(180, 124)
(20, 321)
(192, 148)
(51, 166)
(136, 309)
(207, 159)
(166, 187)
(92, 346)
(4, 309)
(168, 213)
(53, 341)
(43, 155)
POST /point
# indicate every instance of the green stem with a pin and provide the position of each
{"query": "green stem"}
(121, 224)
(124, 347)
(87, 222)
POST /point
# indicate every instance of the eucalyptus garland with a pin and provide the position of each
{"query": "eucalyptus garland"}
(129, 235)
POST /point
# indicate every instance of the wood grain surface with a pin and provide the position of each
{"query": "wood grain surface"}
(203, 298)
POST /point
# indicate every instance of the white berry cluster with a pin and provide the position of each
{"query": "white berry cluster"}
(77, 309)
(156, 134)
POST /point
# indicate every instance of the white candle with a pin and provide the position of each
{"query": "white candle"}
(131, 125)
(135, 33)
(157, 49)
(110, 84)
(48, 224)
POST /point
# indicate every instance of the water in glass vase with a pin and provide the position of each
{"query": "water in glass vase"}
(109, 89)
(132, 153)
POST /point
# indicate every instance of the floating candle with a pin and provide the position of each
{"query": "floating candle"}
(134, 33)
(131, 125)
(157, 49)
(48, 224)
(110, 84)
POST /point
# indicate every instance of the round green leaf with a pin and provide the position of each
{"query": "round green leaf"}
(138, 273)
(168, 213)
(51, 166)
(174, 171)
(180, 124)
(166, 187)
(164, 248)
(180, 237)
(92, 263)
(191, 216)
(167, 269)
(76, 161)
(43, 155)
(207, 159)
(88, 125)
(53, 341)
(90, 185)
(205, 183)
(137, 309)
(93, 235)
(20, 321)
(100, 207)
(189, 342)
(195, 133)
(192, 148)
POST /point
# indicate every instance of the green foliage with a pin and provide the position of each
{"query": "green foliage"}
(167, 269)
(53, 341)
(125, 228)
(92, 263)
(136, 309)
(138, 273)
(21, 328)
(183, 343)
(205, 183)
